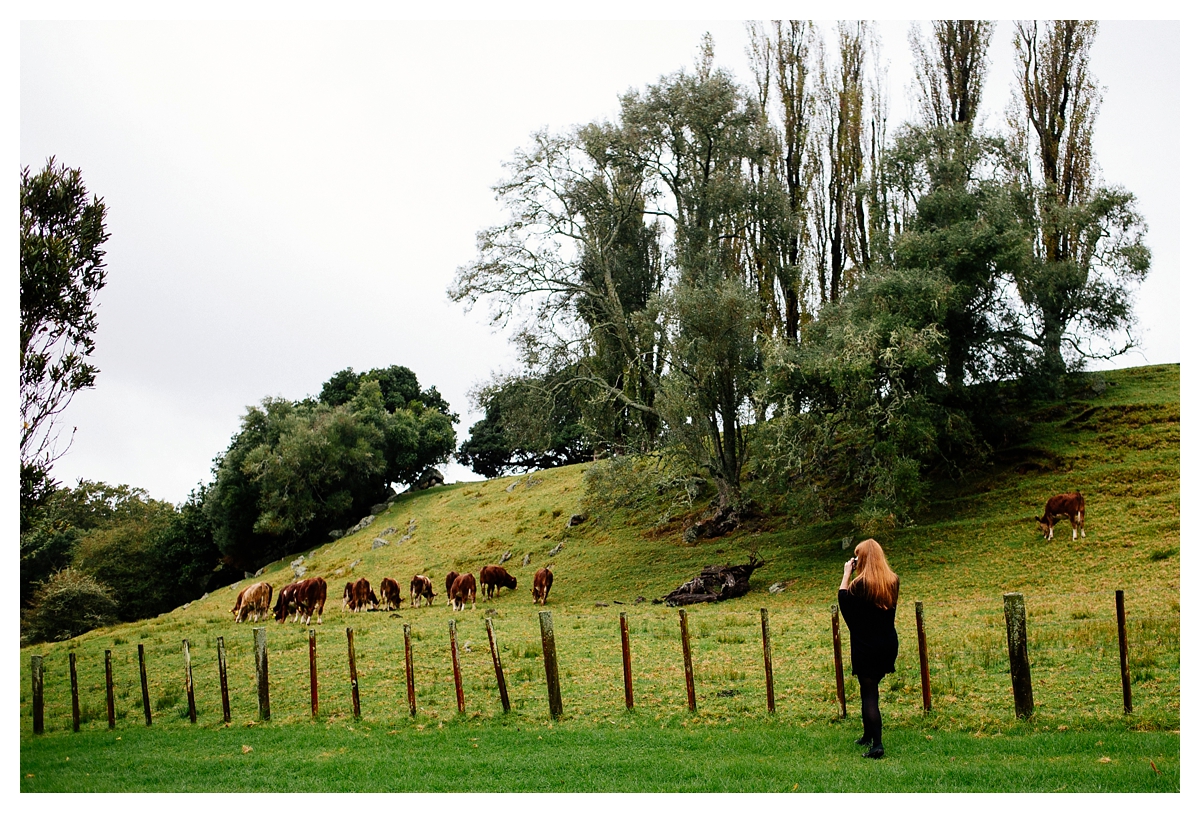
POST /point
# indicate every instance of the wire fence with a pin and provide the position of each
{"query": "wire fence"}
(1073, 645)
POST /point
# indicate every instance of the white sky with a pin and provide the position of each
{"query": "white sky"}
(287, 199)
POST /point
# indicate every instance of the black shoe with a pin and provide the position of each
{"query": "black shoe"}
(865, 739)
(876, 752)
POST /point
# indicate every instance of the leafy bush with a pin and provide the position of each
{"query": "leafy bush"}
(70, 603)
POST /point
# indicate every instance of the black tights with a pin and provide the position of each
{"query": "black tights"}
(868, 690)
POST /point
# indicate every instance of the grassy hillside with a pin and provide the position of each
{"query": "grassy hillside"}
(1117, 442)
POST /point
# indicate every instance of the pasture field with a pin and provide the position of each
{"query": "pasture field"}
(1118, 444)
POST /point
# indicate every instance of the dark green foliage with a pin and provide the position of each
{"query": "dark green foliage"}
(297, 470)
(62, 269)
(70, 603)
(528, 424)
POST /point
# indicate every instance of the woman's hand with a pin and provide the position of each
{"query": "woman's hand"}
(846, 571)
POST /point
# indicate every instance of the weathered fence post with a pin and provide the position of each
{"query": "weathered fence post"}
(926, 695)
(224, 678)
(837, 661)
(408, 671)
(353, 672)
(1126, 688)
(74, 693)
(496, 663)
(550, 659)
(312, 671)
(626, 663)
(770, 673)
(458, 687)
(687, 659)
(262, 672)
(108, 690)
(187, 680)
(35, 671)
(1018, 653)
(145, 684)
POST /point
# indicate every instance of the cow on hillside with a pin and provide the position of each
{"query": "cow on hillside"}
(253, 603)
(462, 591)
(450, 577)
(389, 592)
(421, 588)
(309, 597)
(347, 595)
(541, 585)
(493, 577)
(285, 602)
(362, 597)
(1063, 505)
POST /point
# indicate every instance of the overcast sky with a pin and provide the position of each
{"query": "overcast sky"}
(287, 199)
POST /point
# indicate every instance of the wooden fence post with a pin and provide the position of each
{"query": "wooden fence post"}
(687, 659)
(108, 690)
(626, 663)
(1018, 653)
(35, 671)
(145, 684)
(408, 671)
(926, 694)
(353, 672)
(767, 668)
(550, 659)
(312, 670)
(496, 663)
(458, 687)
(262, 672)
(187, 680)
(224, 678)
(837, 661)
(1126, 688)
(74, 693)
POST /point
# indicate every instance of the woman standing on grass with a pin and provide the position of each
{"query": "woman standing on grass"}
(868, 604)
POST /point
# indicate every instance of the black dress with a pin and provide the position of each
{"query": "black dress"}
(873, 640)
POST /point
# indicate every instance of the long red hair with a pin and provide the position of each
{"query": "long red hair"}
(875, 580)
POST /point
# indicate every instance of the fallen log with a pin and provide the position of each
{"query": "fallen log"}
(715, 583)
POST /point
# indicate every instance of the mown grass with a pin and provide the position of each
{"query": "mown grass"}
(978, 540)
(629, 753)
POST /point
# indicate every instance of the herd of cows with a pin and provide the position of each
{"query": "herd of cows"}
(303, 599)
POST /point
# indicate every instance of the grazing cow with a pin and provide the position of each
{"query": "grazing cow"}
(1063, 505)
(348, 596)
(285, 603)
(309, 597)
(541, 585)
(389, 590)
(462, 591)
(493, 577)
(421, 588)
(450, 577)
(253, 603)
(362, 597)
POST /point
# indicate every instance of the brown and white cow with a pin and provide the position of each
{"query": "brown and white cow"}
(309, 596)
(1059, 506)
(347, 595)
(493, 577)
(285, 602)
(450, 577)
(304, 598)
(253, 603)
(362, 597)
(541, 585)
(462, 591)
(421, 588)
(389, 593)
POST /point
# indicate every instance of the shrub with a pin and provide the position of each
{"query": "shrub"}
(70, 603)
